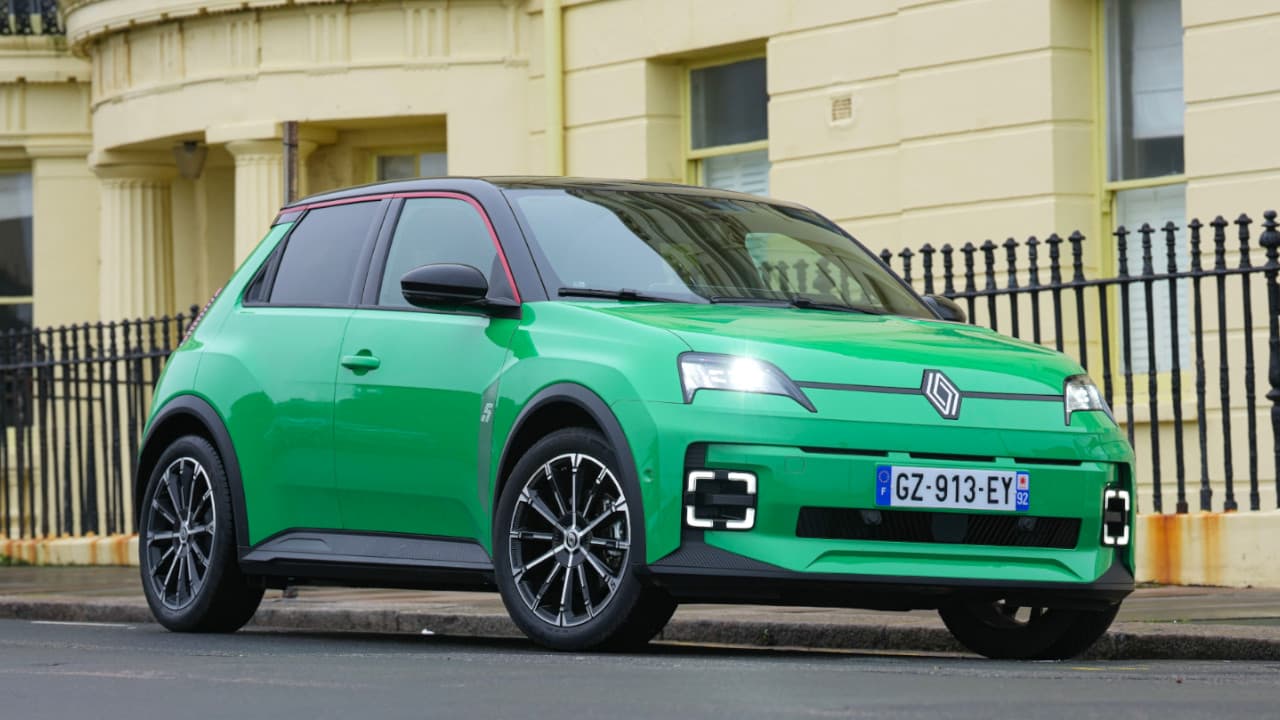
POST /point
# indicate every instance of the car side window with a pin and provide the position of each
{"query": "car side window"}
(321, 255)
(440, 230)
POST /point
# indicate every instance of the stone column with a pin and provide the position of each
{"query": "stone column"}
(260, 187)
(66, 243)
(135, 240)
(259, 190)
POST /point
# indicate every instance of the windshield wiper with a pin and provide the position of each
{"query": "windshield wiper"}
(800, 301)
(622, 294)
(796, 301)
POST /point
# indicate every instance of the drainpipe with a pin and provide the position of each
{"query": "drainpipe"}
(290, 161)
(553, 75)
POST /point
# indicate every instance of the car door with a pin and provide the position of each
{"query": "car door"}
(279, 353)
(411, 398)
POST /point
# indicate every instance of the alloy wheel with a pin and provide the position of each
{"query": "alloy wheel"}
(180, 532)
(570, 539)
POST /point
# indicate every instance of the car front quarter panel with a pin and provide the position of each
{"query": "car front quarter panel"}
(557, 345)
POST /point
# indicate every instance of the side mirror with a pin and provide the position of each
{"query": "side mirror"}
(444, 284)
(946, 308)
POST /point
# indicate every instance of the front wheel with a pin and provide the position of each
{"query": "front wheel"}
(186, 543)
(1001, 630)
(564, 549)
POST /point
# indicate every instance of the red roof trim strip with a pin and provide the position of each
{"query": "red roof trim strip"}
(493, 235)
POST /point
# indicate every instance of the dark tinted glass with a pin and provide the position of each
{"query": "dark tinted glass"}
(319, 262)
(15, 317)
(693, 248)
(439, 230)
(15, 234)
(729, 104)
(1145, 81)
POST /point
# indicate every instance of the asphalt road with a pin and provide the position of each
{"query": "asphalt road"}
(53, 670)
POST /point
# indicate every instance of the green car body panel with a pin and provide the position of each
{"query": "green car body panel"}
(417, 445)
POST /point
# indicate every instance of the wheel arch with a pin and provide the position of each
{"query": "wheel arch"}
(547, 411)
(191, 415)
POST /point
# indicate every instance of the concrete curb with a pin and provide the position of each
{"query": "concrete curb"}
(1126, 641)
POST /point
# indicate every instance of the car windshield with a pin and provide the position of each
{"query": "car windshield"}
(645, 245)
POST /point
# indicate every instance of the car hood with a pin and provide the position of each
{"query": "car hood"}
(817, 346)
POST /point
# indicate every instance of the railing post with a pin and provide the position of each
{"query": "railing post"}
(1033, 283)
(1175, 373)
(989, 261)
(1011, 260)
(1270, 240)
(1055, 286)
(1197, 269)
(926, 264)
(1126, 340)
(969, 288)
(1153, 395)
(1224, 376)
(1077, 280)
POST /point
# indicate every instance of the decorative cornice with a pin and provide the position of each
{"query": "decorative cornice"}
(87, 20)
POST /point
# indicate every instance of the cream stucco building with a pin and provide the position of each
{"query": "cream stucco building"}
(141, 151)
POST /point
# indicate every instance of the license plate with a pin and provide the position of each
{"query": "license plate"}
(969, 489)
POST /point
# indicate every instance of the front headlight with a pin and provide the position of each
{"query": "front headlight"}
(1079, 393)
(708, 371)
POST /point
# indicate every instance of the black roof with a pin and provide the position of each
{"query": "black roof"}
(463, 184)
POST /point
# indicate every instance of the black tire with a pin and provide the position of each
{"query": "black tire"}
(219, 599)
(993, 629)
(630, 614)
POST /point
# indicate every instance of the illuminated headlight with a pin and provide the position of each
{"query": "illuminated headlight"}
(707, 371)
(1079, 393)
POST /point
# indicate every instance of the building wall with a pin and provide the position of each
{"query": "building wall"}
(44, 130)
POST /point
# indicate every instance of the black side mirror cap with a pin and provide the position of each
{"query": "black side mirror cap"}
(946, 308)
(446, 284)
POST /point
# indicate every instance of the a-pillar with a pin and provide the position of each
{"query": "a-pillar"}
(135, 236)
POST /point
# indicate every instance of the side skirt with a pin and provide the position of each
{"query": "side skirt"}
(335, 557)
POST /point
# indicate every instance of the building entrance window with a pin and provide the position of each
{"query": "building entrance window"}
(15, 251)
(728, 139)
(1145, 164)
(402, 166)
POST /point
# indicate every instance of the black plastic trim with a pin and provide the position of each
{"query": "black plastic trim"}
(196, 408)
(302, 556)
(701, 573)
(369, 548)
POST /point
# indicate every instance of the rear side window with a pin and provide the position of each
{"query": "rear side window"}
(319, 261)
(440, 230)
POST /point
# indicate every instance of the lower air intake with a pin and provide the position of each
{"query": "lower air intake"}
(934, 527)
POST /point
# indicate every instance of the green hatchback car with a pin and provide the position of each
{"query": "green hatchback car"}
(603, 398)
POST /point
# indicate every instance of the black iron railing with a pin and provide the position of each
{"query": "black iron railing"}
(30, 17)
(1159, 326)
(73, 401)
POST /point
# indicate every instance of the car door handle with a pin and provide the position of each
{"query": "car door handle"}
(362, 361)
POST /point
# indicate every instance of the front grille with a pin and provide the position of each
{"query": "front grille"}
(936, 527)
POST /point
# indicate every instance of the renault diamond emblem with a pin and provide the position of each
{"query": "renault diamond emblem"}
(941, 393)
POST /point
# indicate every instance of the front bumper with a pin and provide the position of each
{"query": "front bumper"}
(698, 572)
(804, 460)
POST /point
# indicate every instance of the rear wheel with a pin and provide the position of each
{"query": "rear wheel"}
(564, 549)
(186, 543)
(1002, 630)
